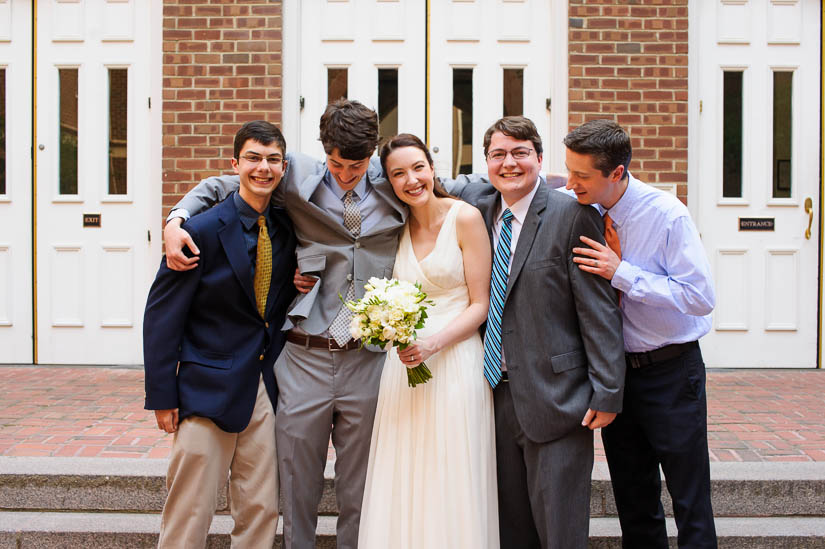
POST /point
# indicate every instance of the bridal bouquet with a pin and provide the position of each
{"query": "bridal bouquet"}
(390, 312)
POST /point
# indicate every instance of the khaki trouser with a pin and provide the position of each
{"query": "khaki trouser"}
(202, 457)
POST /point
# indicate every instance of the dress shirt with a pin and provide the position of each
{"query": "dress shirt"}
(249, 221)
(519, 211)
(664, 273)
(330, 196)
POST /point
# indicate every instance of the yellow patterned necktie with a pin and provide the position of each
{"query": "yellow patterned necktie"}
(263, 266)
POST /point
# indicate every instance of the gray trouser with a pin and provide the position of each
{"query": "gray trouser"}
(543, 487)
(323, 393)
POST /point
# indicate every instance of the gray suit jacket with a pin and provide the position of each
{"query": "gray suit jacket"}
(325, 247)
(562, 328)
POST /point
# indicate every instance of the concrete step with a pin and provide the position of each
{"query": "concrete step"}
(138, 485)
(50, 530)
(53, 530)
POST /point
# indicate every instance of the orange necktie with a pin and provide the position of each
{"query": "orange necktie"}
(612, 239)
(611, 236)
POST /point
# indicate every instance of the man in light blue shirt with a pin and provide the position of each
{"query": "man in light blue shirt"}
(655, 260)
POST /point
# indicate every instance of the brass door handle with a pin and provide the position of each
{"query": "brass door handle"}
(809, 209)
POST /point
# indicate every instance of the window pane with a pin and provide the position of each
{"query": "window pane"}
(117, 130)
(2, 131)
(732, 135)
(782, 82)
(513, 92)
(387, 102)
(68, 131)
(336, 84)
(462, 121)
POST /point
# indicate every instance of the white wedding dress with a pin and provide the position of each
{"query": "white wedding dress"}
(431, 478)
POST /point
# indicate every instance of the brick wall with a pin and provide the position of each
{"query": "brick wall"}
(629, 62)
(221, 68)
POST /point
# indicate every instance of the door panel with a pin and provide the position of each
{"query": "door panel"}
(93, 131)
(15, 183)
(474, 56)
(759, 144)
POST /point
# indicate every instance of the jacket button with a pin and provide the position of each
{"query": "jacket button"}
(261, 357)
(349, 278)
(266, 324)
(357, 244)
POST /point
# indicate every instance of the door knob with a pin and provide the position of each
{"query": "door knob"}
(809, 209)
(435, 150)
(41, 146)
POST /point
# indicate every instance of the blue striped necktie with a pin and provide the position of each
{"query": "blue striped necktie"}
(498, 287)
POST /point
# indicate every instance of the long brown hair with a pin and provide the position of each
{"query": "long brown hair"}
(410, 140)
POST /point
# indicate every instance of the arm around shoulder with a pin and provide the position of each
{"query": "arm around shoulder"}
(599, 318)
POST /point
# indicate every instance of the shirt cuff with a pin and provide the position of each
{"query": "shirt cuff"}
(624, 276)
(179, 212)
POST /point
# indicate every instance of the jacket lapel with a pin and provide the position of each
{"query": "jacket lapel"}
(488, 205)
(231, 237)
(532, 222)
(281, 223)
(384, 189)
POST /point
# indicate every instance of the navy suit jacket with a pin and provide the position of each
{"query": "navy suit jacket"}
(204, 342)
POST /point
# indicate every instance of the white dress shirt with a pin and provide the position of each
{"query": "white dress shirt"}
(519, 211)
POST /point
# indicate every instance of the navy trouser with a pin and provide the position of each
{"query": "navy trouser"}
(663, 422)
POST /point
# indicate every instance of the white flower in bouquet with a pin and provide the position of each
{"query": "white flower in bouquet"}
(390, 312)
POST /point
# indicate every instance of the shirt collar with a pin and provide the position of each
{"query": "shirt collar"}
(621, 209)
(360, 189)
(248, 215)
(520, 208)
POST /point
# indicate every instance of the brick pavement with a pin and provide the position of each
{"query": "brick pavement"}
(754, 415)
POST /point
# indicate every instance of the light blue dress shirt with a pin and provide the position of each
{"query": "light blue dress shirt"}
(330, 196)
(664, 275)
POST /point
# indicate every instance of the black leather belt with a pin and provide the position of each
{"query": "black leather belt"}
(668, 352)
(318, 342)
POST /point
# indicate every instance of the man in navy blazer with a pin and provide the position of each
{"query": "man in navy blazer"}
(210, 341)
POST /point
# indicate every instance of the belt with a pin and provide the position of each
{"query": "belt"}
(505, 378)
(318, 342)
(668, 352)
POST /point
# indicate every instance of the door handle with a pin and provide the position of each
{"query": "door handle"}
(809, 209)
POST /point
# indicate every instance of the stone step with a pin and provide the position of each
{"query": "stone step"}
(51, 530)
(138, 485)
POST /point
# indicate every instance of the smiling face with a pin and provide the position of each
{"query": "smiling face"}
(347, 173)
(513, 178)
(410, 175)
(588, 182)
(260, 168)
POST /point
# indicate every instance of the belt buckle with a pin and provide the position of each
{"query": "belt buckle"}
(331, 349)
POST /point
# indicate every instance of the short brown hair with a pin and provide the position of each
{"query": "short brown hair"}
(605, 141)
(350, 127)
(517, 127)
(410, 140)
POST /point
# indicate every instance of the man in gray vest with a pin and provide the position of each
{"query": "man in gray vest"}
(347, 220)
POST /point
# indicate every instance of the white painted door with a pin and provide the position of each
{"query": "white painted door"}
(759, 142)
(92, 158)
(344, 46)
(488, 59)
(477, 66)
(15, 183)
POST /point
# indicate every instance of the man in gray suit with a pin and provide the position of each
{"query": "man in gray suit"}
(347, 220)
(553, 345)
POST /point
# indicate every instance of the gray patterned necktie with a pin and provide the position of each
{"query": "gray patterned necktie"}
(339, 329)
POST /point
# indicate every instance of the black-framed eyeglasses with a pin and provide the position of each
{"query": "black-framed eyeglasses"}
(519, 153)
(253, 158)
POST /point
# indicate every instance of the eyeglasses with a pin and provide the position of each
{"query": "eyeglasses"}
(519, 153)
(256, 158)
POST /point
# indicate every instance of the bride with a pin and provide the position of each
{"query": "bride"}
(431, 478)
